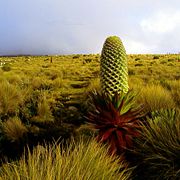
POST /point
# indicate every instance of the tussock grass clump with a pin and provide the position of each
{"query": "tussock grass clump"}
(94, 84)
(41, 83)
(80, 161)
(44, 113)
(10, 98)
(13, 78)
(58, 83)
(158, 147)
(155, 97)
(13, 129)
(136, 83)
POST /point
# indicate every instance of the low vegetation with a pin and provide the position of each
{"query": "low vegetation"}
(45, 99)
(158, 147)
(82, 160)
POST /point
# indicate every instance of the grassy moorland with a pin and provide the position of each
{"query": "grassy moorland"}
(44, 99)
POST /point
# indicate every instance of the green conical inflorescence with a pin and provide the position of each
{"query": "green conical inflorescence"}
(113, 69)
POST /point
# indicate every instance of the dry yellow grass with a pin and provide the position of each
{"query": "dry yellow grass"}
(175, 91)
(14, 129)
(81, 161)
(10, 97)
(155, 97)
(44, 113)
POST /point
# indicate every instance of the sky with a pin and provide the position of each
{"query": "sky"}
(81, 26)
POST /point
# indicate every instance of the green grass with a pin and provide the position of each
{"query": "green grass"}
(81, 161)
(46, 97)
(67, 75)
(10, 98)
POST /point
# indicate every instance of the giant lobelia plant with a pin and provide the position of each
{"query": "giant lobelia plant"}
(114, 112)
(113, 67)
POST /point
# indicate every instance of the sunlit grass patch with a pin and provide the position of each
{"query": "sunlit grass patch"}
(93, 85)
(155, 97)
(10, 98)
(41, 83)
(136, 83)
(59, 83)
(13, 78)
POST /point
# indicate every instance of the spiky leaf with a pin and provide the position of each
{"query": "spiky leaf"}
(116, 121)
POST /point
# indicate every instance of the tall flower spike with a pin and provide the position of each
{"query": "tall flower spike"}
(113, 67)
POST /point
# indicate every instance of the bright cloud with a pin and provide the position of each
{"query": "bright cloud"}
(162, 22)
(137, 47)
